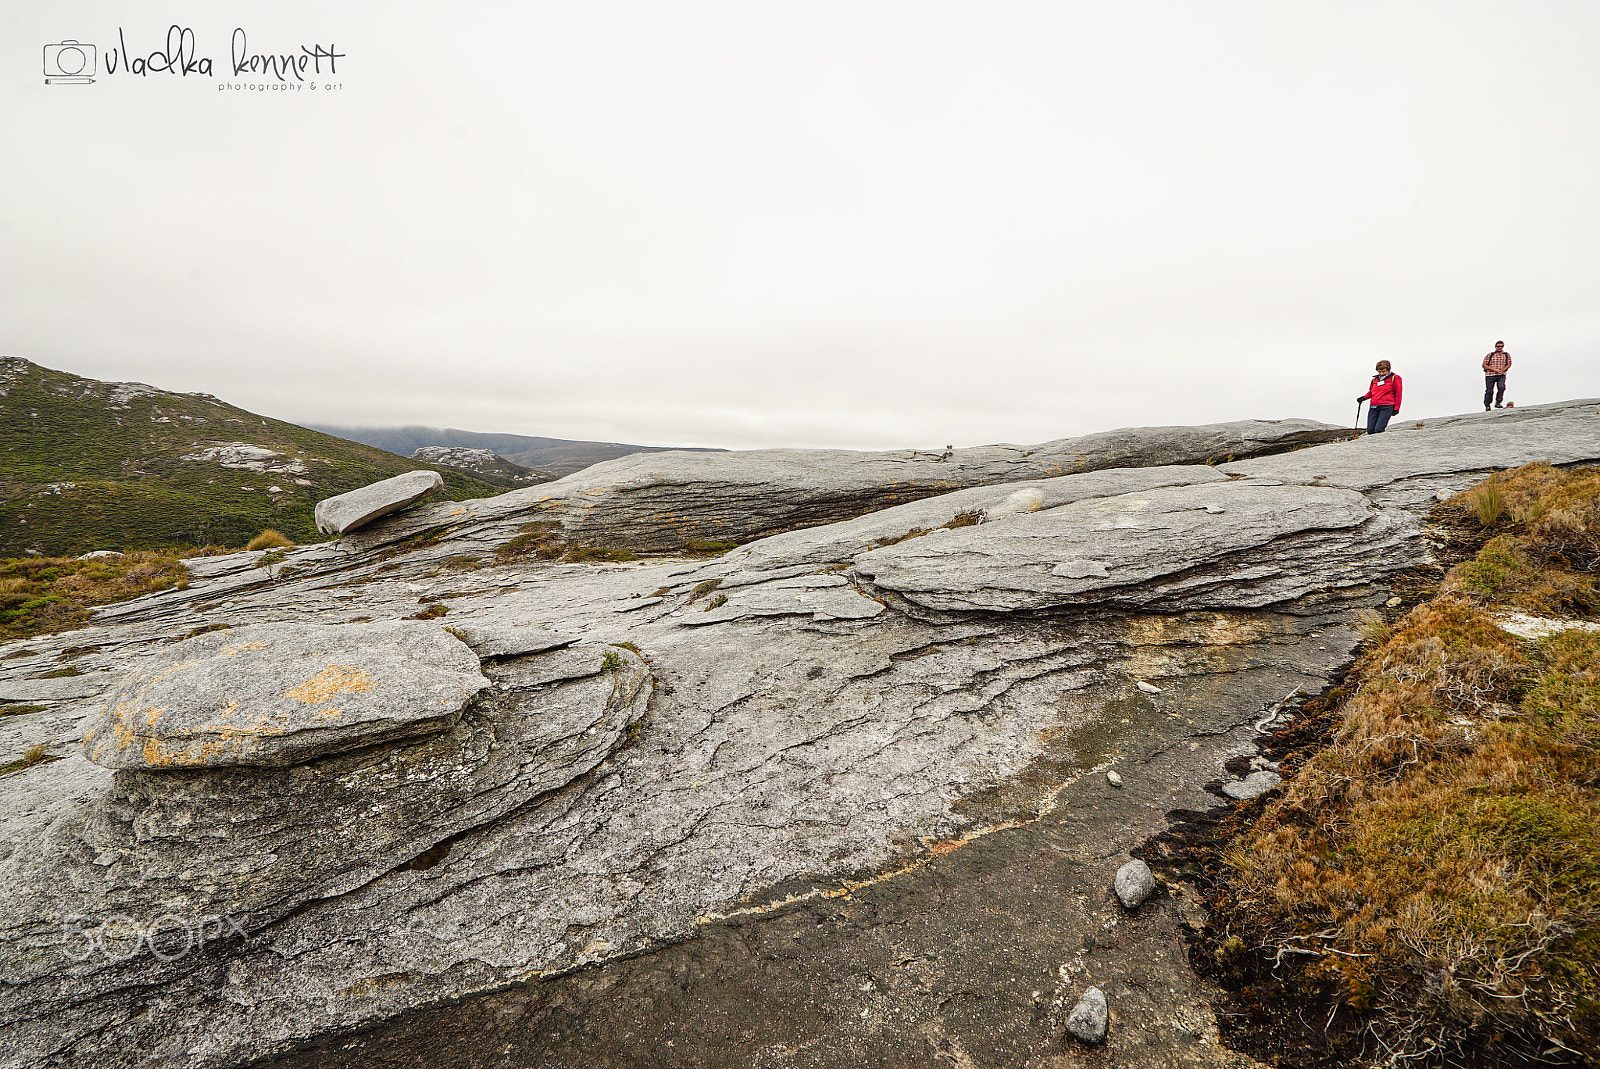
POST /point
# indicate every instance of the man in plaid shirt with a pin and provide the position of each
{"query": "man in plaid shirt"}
(1494, 375)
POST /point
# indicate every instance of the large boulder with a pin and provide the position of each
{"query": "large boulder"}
(346, 512)
(281, 694)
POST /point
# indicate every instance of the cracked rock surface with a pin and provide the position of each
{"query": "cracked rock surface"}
(837, 797)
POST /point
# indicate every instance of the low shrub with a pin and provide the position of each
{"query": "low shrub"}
(39, 595)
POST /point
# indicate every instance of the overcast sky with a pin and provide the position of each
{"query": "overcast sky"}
(858, 224)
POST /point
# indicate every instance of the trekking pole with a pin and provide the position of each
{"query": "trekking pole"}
(1357, 433)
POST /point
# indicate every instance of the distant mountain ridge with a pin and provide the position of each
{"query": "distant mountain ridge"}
(87, 465)
(560, 456)
(484, 464)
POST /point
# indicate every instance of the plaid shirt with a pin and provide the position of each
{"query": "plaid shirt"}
(1496, 362)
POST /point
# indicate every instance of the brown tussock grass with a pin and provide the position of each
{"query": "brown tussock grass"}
(1435, 871)
(39, 595)
(271, 538)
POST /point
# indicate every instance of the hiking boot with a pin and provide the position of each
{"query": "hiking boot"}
(1497, 404)
(1486, 408)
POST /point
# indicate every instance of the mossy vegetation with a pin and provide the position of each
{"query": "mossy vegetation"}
(1432, 877)
(45, 594)
(707, 547)
(544, 539)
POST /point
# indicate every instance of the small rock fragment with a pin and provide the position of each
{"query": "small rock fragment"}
(1255, 783)
(1089, 1017)
(1393, 602)
(1134, 883)
(1148, 688)
(1444, 495)
(1112, 778)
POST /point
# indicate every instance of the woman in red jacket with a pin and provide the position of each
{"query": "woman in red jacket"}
(1385, 397)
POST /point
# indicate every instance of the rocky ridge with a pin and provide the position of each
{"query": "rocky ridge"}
(481, 463)
(822, 800)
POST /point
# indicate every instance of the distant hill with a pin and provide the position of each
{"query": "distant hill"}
(483, 464)
(557, 455)
(88, 465)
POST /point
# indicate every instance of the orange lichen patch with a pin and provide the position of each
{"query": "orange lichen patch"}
(172, 671)
(233, 649)
(156, 755)
(332, 680)
(939, 849)
(329, 713)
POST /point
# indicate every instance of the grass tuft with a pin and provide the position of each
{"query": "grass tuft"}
(1488, 502)
(33, 755)
(271, 538)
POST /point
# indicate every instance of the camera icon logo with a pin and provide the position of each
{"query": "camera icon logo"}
(69, 63)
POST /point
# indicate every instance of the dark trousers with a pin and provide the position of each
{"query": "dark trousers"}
(1378, 418)
(1494, 389)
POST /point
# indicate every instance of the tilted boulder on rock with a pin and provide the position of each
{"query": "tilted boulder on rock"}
(347, 512)
(281, 694)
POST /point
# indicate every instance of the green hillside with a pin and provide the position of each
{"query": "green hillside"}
(88, 465)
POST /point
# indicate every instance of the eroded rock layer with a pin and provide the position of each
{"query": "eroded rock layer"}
(838, 797)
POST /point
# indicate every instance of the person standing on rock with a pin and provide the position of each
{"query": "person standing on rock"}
(1494, 375)
(1385, 397)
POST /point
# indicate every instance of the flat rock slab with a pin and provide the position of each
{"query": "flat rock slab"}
(1458, 448)
(655, 502)
(60, 689)
(822, 597)
(280, 694)
(346, 512)
(1211, 545)
(497, 638)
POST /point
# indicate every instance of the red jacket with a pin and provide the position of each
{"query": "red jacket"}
(1385, 391)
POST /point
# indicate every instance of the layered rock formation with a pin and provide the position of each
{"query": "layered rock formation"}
(836, 797)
